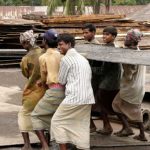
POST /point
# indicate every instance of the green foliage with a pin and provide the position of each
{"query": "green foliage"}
(20, 2)
(52, 5)
(130, 2)
(63, 2)
(124, 2)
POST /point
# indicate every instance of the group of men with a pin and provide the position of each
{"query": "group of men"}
(63, 87)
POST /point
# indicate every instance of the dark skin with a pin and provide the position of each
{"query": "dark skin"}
(40, 133)
(107, 128)
(126, 129)
(88, 35)
(63, 47)
(27, 146)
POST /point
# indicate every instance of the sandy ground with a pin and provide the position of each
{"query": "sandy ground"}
(11, 87)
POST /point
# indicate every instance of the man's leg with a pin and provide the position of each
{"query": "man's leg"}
(141, 136)
(126, 129)
(63, 146)
(42, 139)
(92, 126)
(27, 145)
(107, 128)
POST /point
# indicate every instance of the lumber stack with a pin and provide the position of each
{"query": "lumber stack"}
(10, 48)
(74, 24)
(11, 57)
(10, 31)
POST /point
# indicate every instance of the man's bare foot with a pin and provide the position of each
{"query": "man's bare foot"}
(125, 132)
(105, 131)
(25, 147)
(140, 137)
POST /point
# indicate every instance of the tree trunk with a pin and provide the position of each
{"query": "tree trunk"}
(96, 7)
(107, 5)
(70, 7)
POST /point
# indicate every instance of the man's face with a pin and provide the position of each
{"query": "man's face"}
(88, 35)
(63, 47)
(107, 37)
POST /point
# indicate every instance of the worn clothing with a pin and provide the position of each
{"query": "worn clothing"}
(49, 66)
(105, 99)
(71, 124)
(32, 92)
(29, 103)
(110, 75)
(94, 41)
(133, 35)
(129, 99)
(28, 36)
(132, 111)
(106, 84)
(75, 73)
(44, 110)
(132, 84)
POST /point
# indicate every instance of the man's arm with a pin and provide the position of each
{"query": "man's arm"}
(63, 72)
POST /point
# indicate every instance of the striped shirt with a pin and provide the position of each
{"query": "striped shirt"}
(75, 73)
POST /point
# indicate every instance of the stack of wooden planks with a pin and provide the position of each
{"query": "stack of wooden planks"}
(10, 31)
(74, 24)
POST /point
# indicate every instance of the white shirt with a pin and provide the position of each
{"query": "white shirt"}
(75, 73)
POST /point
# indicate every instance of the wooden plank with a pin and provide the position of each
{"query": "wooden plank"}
(112, 54)
(81, 18)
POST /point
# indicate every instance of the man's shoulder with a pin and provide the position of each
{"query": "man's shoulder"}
(42, 57)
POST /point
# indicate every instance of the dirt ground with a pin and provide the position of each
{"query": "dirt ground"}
(11, 87)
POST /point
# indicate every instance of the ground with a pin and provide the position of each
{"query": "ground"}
(11, 87)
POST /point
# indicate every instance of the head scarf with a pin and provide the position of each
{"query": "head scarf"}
(134, 35)
(28, 36)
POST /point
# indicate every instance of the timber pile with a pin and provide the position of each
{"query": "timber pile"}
(10, 53)
(10, 31)
(74, 24)
(11, 57)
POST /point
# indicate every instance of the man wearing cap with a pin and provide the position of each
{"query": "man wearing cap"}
(49, 67)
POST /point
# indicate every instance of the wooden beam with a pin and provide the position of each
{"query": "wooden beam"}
(112, 54)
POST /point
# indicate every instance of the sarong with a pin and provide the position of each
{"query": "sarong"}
(29, 103)
(131, 111)
(104, 99)
(71, 124)
(44, 110)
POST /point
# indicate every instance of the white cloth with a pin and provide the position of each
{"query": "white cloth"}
(132, 84)
(71, 124)
(75, 73)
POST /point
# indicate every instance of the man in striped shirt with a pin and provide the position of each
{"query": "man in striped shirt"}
(71, 121)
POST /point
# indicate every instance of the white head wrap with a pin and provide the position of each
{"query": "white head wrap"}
(28, 36)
